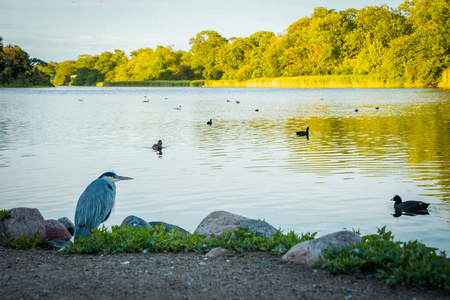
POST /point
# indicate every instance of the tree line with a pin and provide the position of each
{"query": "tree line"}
(408, 46)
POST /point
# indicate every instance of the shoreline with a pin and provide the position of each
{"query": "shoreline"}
(184, 275)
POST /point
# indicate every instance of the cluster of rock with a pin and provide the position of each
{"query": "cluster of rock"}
(29, 223)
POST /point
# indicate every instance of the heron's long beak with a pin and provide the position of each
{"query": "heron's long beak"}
(119, 178)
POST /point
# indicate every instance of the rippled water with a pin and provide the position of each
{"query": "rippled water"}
(248, 162)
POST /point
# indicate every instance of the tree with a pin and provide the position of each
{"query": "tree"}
(86, 76)
(63, 72)
(205, 49)
(109, 64)
(376, 27)
(16, 64)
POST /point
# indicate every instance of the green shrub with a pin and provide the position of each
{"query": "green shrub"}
(399, 262)
(128, 239)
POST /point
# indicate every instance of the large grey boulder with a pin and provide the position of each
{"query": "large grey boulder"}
(27, 222)
(218, 221)
(307, 253)
(56, 230)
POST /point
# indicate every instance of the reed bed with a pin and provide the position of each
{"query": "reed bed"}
(445, 80)
(301, 82)
(328, 81)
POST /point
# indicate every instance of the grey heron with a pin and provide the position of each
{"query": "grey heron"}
(96, 203)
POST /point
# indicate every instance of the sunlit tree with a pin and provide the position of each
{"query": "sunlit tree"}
(205, 48)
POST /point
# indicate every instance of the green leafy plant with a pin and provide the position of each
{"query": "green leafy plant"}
(22, 243)
(5, 214)
(399, 262)
(155, 239)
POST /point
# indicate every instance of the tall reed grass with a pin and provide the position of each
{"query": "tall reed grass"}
(301, 82)
(445, 80)
(329, 81)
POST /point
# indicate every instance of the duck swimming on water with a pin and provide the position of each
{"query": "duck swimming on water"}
(303, 133)
(409, 205)
(209, 122)
(157, 146)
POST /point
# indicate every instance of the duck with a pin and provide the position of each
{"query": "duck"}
(377, 108)
(209, 122)
(303, 133)
(237, 102)
(177, 108)
(409, 205)
(157, 146)
(356, 110)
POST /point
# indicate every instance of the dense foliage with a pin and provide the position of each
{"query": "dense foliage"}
(155, 239)
(405, 46)
(17, 69)
(399, 262)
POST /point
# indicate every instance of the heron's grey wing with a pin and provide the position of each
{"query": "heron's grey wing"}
(95, 204)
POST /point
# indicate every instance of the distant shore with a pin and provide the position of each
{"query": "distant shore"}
(301, 82)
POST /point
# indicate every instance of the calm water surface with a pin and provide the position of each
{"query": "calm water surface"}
(248, 162)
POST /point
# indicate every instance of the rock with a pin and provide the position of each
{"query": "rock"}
(167, 227)
(68, 224)
(307, 253)
(261, 227)
(56, 230)
(135, 222)
(25, 222)
(217, 252)
(218, 221)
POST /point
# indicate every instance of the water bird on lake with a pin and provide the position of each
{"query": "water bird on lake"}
(228, 100)
(377, 108)
(356, 110)
(146, 99)
(409, 205)
(81, 99)
(237, 102)
(209, 122)
(157, 146)
(303, 133)
(256, 109)
(96, 203)
(177, 108)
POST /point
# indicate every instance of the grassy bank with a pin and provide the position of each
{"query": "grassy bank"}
(329, 81)
(153, 83)
(445, 81)
(301, 82)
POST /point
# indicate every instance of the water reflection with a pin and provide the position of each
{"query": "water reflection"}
(398, 213)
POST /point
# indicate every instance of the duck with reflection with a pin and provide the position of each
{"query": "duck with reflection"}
(303, 133)
(409, 206)
(209, 122)
(157, 146)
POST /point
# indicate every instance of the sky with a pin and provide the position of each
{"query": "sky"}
(60, 30)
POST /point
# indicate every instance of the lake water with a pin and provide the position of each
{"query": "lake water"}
(248, 162)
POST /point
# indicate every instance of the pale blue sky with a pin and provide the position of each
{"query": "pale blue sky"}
(59, 30)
